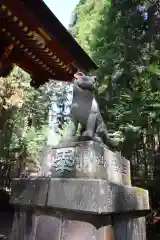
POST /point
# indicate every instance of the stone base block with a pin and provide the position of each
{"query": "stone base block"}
(129, 228)
(86, 195)
(55, 227)
(58, 226)
(29, 192)
(87, 160)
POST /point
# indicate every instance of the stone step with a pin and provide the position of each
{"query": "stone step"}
(87, 160)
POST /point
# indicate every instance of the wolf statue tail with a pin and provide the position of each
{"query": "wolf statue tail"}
(102, 133)
(111, 143)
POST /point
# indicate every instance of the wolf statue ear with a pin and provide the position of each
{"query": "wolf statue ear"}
(95, 78)
(79, 75)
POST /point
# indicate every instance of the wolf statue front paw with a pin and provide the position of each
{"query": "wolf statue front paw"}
(98, 139)
(68, 140)
(88, 133)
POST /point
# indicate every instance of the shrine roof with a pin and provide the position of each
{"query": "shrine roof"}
(43, 46)
(45, 17)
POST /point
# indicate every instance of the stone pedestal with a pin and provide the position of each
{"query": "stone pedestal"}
(84, 193)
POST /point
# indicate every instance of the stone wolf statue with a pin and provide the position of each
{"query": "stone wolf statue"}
(85, 110)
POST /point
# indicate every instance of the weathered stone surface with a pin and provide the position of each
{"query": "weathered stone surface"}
(87, 160)
(29, 192)
(97, 196)
(117, 167)
(58, 227)
(74, 194)
(88, 195)
(84, 159)
(36, 226)
(108, 197)
(126, 172)
(48, 227)
(77, 230)
(24, 226)
(129, 228)
(142, 197)
(113, 166)
(89, 184)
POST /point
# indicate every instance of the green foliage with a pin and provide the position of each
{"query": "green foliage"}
(23, 122)
(33, 139)
(87, 13)
(124, 43)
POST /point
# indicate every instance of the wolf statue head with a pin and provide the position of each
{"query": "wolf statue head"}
(84, 82)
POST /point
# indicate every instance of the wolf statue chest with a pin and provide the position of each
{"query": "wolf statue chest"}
(83, 104)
